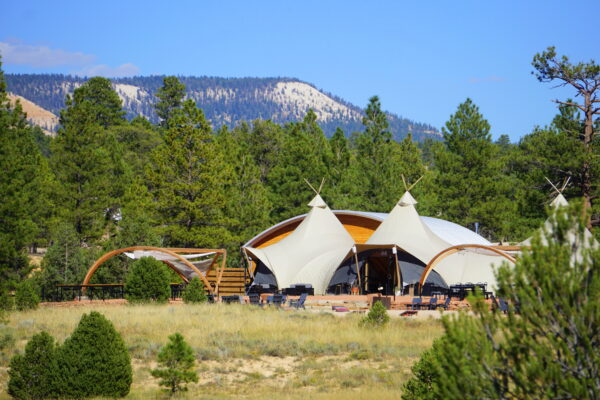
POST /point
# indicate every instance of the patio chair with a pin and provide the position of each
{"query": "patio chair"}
(255, 299)
(416, 304)
(211, 298)
(445, 304)
(278, 300)
(503, 305)
(300, 302)
(432, 303)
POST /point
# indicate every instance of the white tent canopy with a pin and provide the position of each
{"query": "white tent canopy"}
(405, 229)
(311, 253)
(202, 264)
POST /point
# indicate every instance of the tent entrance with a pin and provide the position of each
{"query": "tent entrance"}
(380, 271)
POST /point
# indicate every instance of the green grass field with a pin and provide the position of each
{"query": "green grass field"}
(248, 352)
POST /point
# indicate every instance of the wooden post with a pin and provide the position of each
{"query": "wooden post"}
(357, 270)
(366, 275)
(398, 275)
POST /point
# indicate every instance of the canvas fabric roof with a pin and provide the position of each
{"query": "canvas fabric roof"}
(405, 229)
(186, 271)
(311, 253)
(560, 201)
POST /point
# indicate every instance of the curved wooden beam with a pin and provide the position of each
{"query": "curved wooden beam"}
(455, 249)
(170, 252)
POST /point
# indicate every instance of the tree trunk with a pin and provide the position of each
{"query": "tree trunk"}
(588, 137)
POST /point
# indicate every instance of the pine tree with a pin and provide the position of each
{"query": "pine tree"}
(88, 160)
(177, 362)
(94, 361)
(305, 155)
(26, 296)
(148, 280)
(195, 292)
(375, 176)
(470, 182)
(33, 375)
(377, 316)
(546, 347)
(187, 182)
(24, 185)
(170, 96)
(247, 203)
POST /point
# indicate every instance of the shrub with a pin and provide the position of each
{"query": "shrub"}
(94, 361)
(33, 374)
(7, 303)
(177, 362)
(550, 349)
(148, 280)
(425, 374)
(195, 292)
(26, 297)
(377, 316)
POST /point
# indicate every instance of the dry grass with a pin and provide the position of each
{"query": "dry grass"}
(247, 352)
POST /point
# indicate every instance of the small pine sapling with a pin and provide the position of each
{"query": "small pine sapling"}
(176, 361)
(195, 292)
(377, 316)
(26, 297)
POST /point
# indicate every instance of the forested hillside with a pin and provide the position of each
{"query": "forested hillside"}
(106, 182)
(225, 101)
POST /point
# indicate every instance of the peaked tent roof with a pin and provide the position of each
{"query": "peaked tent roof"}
(311, 253)
(560, 201)
(404, 228)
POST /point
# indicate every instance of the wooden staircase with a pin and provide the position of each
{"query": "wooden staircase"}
(233, 281)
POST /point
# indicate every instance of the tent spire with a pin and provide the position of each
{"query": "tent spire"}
(317, 201)
(559, 200)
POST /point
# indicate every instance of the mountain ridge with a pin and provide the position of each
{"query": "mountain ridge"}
(225, 101)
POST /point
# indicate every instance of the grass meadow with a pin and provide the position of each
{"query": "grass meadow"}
(248, 352)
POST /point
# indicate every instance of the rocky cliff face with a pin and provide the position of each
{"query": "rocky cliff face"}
(224, 101)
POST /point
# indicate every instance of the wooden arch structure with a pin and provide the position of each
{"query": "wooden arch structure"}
(455, 249)
(174, 252)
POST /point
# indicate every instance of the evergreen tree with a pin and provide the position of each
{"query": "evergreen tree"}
(187, 182)
(377, 316)
(195, 292)
(65, 262)
(26, 296)
(33, 375)
(470, 182)
(177, 361)
(341, 158)
(137, 139)
(265, 143)
(94, 361)
(148, 280)
(376, 175)
(546, 351)
(88, 160)
(247, 203)
(305, 155)
(24, 184)
(170, 96)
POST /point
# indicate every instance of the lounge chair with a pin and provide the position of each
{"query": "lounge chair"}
(300, 302)
(502, 305)
(432, 303)
(416, 304)
(255, 299)
(446, 304)
(278, 300)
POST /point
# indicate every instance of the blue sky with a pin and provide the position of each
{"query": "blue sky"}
(422, 58)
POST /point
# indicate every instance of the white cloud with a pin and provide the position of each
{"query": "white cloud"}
(491, 78)
(127, 69)
(41, 56)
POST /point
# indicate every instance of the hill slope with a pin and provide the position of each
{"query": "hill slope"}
(224, 100)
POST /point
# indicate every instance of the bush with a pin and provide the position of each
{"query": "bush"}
(7, 303)
(377, 316)
(94, 361)
(195, 292)
(33, 375)
(26, 297)
(550, 349)
(148, 280)
(177, 362)
(425, 374)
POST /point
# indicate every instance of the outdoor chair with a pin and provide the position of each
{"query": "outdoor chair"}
(278, 300)
(233, 299)
(445, 304)
(416, 304)
(503, 305)
(300, 302)
(211, 298)
(255, 299)
(432, 303)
